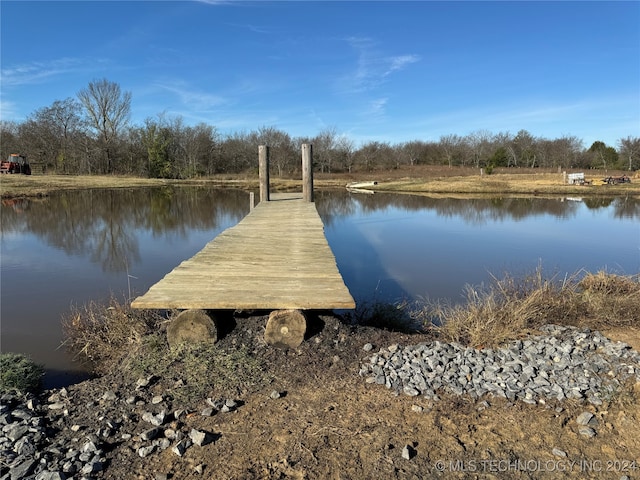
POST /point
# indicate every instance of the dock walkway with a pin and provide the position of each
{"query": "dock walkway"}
(277, 257)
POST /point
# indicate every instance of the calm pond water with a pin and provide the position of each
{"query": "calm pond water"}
(80, 246)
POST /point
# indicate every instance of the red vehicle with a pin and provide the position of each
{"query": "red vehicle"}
(15, 164)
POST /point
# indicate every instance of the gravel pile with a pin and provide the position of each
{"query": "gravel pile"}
(63, 436)
(563, 363)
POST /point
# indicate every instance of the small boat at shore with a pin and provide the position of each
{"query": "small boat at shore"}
(361, 184)
(360, 187)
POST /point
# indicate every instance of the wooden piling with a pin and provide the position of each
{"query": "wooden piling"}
(307, 172)
(263, 170)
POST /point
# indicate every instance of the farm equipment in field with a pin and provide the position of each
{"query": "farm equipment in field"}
(616, 180)
(15, 164)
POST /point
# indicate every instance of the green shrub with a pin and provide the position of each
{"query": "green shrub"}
(19, 373)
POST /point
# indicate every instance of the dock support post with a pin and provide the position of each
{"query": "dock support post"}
(263, 169)
(192, 326)
(286, 328)
(307, 172)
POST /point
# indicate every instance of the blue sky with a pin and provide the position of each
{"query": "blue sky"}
(373, 71)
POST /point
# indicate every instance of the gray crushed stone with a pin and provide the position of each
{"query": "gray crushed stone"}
(562, 363)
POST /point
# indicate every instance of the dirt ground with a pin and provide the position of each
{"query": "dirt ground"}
(330, 424)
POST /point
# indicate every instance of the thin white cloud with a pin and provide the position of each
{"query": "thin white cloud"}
(217, 2)
(37, 72)
(193, 99)
(372, 67)
(399, 62)
(538, 113)
(543, 114)
(252, 28)
(543, 119)
(376, 108)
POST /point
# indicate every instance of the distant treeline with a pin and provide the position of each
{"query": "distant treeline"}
(91, 134)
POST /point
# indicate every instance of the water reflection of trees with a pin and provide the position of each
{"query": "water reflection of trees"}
(105, 224)
(623, 207)
(336, 204)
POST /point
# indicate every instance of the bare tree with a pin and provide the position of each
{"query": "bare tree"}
(480, 145)
(56, 133)
(11, 141)
(201, 145)
(40, 143)
(324, 145)
(543, 151)
(629, 149)
(373, 154)
(107, 109)
(345, 151)
(239, 153)
(564, 151)
(411, 151)
(522, 149)
(452, 146)
(281, 149)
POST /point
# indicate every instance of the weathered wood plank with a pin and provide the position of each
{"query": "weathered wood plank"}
(277, 257)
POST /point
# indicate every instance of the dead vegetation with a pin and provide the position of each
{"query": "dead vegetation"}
(103, 336)
(193, 370)
(115, 337)
(118, 337)
(417, 179)
(511, 308)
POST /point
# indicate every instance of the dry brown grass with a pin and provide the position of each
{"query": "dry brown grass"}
(132, 342)
(611, 300)
(509, 309)
(37, 185)
(419, 179)
(523, 182)
(103, 335)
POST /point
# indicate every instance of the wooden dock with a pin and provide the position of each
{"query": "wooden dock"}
(277, 257)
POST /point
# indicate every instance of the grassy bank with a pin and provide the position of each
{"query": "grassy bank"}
(115, 337)
(415, 180)
(511, 308)
(502, 181)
